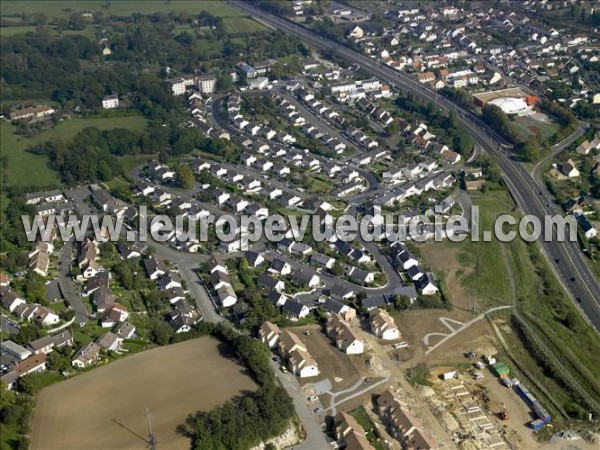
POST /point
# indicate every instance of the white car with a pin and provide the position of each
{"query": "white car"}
(312, 398)
(400, 345)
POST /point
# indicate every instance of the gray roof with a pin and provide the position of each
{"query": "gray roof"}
(292, 308)
(333, 306)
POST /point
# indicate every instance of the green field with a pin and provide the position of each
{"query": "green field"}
(489, 278)
(242, 25)
(64, 8)
(26, 169)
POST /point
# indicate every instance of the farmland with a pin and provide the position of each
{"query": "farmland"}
(104, 408)
(64, 8)
(21, 164)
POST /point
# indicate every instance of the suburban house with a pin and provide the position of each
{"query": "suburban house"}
(360, 276)
(426, 286)
(254, 259)
(155, 267)
(343, 336)
(110, 101)
(227, 295)
(350, 434)
(35, 363)
(383, 325)
(109, 341)
(113, 315)
(215, 262)
(586, 226)
(305, 278)
(346, 312)
(277, 298)
(47, 343)
(340, 292)
(294, 310)
(288, 342)
(269, 334)
(86, 356)
(268, 282)
(401, 423)
(302, 364)
(9, 299)
(321, 260)
(569, 169)
(280, 267)
(125, 330)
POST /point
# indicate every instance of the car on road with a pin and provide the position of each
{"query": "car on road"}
(579, 299)
(312, 398)
(284, 369)
(307, 333)
(318, 410)
(400, 345)
(557, 261)
(275, 358)
(573, 279)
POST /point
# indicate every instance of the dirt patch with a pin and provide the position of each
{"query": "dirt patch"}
(478, 338)
(445, 260)
(333, 364)
(104, 408)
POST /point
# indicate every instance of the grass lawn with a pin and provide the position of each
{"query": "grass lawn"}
(64, 8)
(26, 169)
(365, 421)
(528, 126)
(489, 279)
(9, 436)
(242, 25)
(10, 31)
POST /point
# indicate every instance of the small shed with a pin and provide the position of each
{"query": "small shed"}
(500, 369)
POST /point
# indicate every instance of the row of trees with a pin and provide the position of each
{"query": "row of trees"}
(445, 125)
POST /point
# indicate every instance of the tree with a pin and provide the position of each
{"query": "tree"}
(184, 176)
(530, 150)
(27, 333)
(29, 384)
(58, 361)
(160, 332)
(224, 83)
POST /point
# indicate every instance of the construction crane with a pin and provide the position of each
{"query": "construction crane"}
(152, 439)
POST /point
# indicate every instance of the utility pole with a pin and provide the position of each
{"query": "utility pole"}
(152, 440)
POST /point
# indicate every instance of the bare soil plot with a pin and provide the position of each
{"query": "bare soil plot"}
(104, 408)
(445, 259)
(333, 364)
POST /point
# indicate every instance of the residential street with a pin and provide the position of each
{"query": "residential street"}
(67, 287)
(315, 438)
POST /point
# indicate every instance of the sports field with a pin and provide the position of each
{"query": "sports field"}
(105, 407)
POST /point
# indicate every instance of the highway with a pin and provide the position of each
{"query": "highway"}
(565, 258)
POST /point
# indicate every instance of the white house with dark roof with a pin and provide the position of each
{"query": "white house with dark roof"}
(294, 310)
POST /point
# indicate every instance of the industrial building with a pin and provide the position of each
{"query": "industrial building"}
(513, 101)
